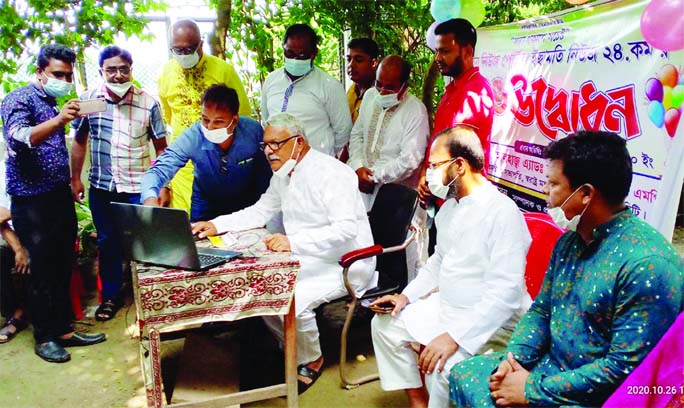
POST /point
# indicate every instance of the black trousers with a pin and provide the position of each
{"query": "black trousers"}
(46, 226)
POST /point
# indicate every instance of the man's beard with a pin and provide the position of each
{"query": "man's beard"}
(456, 69)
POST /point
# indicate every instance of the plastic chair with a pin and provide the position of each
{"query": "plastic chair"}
(544, 234)
(390, 221)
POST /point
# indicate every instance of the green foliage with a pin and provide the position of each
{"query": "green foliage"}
(398, 26)
(27, 24)
(86, 230)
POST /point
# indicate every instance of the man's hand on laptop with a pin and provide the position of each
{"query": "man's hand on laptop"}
(152, 201)
(203, 229)
(277, 243)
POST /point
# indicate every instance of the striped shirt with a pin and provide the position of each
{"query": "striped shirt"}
(119, 152)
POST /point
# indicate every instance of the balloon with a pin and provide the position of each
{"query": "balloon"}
(654, 90)
(431, 38)
(656, 113)
(677, 96)
(443, 10)
(662, 24)
(667, 97)
(668, 75)
(672, 120)
(474, 11)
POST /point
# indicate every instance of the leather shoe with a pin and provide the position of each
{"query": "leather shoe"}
(52, 352)
(82, 339)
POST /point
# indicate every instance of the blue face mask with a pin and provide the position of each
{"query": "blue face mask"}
(298, 68)
(56, 87)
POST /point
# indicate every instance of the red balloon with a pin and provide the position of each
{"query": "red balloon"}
(672, 117)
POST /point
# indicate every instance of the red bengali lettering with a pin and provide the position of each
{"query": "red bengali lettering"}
(555, 109)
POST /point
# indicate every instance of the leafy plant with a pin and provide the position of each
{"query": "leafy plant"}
(86, 231)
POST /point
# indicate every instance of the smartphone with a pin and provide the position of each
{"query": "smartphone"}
(382, 308)
(91, 106)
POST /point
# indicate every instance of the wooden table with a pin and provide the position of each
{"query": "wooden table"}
(260, 284)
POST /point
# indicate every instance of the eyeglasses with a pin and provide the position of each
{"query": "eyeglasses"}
(114, 71)
(379, 86)
(184, 50)
(293, 55)
(433, 166)
(275, 146)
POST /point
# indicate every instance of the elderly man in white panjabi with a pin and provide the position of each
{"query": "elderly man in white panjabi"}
(324, 218)
(470, 294)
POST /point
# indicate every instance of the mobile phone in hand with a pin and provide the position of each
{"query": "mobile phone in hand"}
(91, 106)
(382, 308)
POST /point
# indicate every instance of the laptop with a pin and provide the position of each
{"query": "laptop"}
(163, 236)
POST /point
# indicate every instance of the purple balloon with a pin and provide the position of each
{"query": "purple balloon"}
(654, 90)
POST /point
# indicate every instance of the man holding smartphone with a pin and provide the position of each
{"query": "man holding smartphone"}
(42, 209)
(470, 293)
(119, 153)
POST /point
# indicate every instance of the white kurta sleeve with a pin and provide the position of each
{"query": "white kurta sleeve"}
(413, 143)
(255, 216)
(503, 280)
(338, 113)
(427, 278)
(356, 144)
(341, 226)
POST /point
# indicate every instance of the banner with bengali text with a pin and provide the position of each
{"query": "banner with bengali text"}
(589, 68)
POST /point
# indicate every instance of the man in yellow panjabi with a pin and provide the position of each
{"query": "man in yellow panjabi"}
(181, 85)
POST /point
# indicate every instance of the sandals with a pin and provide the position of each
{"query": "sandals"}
(107, 310)
(6, 333)
(309, 373)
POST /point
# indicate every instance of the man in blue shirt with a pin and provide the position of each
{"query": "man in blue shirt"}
(42, 207)
(230, 171)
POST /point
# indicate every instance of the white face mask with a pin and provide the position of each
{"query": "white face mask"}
(434, 178)
(298, 68)
(559, 217)
(289, 165)
(187, 61)
(217, 136)
(56, 87)
(119, 89)
(389, 100)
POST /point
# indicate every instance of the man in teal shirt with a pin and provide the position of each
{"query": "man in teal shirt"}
(613, 287)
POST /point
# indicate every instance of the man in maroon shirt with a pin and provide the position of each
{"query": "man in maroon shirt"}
(468, 99)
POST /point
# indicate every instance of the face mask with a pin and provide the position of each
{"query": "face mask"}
(187, 61)
(434, 178)
(297, 67)
(56, 87)
(119, 89)
(559, 217)
(387, 101)
(217, 136)
(288, 166)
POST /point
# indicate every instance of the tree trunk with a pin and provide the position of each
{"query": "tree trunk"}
(429, 90)
(217, 41)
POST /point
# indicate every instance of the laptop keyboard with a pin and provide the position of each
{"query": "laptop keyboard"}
(209, 259)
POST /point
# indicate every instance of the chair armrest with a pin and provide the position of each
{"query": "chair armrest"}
(350, 257)
(409, 238)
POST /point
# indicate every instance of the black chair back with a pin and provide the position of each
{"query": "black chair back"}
(390, 219)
